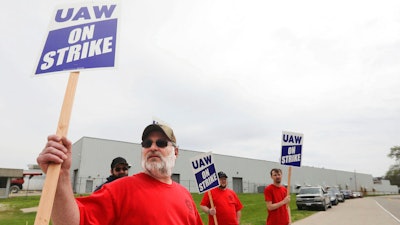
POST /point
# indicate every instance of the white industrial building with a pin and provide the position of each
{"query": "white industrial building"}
(92, 157)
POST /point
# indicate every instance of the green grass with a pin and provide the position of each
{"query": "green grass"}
(10, 213)
(255, 209)
(253, 213)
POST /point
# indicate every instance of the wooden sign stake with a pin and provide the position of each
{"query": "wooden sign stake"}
(212, 206)
(53, 172)
(288, 193)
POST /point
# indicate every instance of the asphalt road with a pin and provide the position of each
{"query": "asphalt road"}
(384, 210)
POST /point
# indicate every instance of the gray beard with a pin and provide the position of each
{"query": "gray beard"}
(161, 169)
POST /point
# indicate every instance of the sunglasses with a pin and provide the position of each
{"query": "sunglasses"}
(121, 168)
(161, 143)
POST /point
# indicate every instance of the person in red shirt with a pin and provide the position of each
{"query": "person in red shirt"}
(277, 199)
(227, 206)
(149, 197)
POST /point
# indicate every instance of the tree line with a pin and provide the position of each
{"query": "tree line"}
(393, 174)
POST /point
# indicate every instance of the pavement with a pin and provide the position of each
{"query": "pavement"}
(361, 211)
(25, 193)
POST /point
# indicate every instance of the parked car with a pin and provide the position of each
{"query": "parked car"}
(333, 197)
(347, 194)
(357, 194)
(309, 197)
(339, 195)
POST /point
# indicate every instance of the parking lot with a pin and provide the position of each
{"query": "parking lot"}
(361, 211)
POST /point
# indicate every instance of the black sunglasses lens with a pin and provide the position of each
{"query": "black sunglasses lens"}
(119, 169)
(147, 143)
(161, 143)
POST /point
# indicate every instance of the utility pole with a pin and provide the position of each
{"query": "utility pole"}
(355, 180)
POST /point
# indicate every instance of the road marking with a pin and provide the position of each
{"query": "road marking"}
(388, 212)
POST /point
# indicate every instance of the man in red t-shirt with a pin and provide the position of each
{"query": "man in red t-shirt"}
(227, 206)
(276, 198)
(150, 197)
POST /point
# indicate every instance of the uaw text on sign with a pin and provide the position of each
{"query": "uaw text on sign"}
(291, 148)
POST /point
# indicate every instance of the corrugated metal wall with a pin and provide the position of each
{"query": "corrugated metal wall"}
(92, 158)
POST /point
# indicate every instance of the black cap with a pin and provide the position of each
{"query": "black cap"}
(222, 174)
(118, 160)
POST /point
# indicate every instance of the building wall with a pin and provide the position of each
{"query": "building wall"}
(385, 187)
(34, 183)
(92, 158)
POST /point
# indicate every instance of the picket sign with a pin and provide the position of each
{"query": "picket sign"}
(53, 172)
(291, 155)
(81, 36)
(206, 175)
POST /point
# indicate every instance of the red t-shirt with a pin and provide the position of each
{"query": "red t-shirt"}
(139, 199)
(226, 203)
(280, 215)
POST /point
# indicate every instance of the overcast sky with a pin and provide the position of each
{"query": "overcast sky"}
(228, 76)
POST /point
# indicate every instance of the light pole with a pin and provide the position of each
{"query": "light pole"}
(355, 180)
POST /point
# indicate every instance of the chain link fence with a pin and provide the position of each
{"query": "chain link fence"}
(84, 185)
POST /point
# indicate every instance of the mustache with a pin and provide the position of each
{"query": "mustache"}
(153, 154)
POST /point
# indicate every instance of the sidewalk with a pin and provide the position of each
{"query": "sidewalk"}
(29, 210)
(25, 193)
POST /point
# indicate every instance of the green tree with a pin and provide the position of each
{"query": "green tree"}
(394, 171)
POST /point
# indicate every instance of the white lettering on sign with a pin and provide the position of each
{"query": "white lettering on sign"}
(77, 52)
(207, 182)
(205, 173)
(80, 34)
(292, 150)
(291, 158)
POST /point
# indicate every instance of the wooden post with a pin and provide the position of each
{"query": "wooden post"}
(212, 206)
(53, 172)
(288, 193)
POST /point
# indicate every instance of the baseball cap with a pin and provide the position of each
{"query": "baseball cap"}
(118, 160)
(222, 174)
(159, 127)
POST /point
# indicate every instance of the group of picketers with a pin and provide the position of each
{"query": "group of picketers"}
(151, 196)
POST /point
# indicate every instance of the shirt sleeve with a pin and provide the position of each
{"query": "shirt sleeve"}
(97, 209)
(239, 205)
(205, 201)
